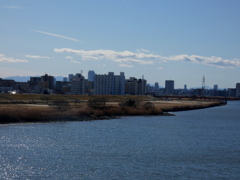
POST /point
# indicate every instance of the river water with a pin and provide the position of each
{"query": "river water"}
(198, 144)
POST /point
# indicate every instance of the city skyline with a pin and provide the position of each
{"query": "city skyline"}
(162, 40)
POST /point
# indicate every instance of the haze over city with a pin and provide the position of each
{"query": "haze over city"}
(178, 40)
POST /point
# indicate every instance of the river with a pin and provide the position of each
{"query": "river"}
(197, 144)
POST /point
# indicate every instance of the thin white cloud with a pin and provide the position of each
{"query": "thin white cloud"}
(125, 65)
(69, 57)
(11, 7)
(160, 68)
(124, 56)
(210, 61)
(3, 58)
(143, 50)
(75, 62)
(56, 35)
(145, 57)
(37, 57)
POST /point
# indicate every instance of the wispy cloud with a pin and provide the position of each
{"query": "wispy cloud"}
(56, 35)
(75, 62)
(11, 7)
(3, 58)
(69, 57)
(37, 57)
(160, 68)
(143, 50)
(125, 65)
(144, 57)
(121, 57)
(210, 61)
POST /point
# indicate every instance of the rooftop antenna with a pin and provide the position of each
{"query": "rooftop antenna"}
(203, 86)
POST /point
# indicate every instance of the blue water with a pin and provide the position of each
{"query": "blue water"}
(199, 144)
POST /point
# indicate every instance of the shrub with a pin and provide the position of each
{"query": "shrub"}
(98, 113)
(61, 105)
(148, 105)
(111, 111)
(97, 103)
(130, 103)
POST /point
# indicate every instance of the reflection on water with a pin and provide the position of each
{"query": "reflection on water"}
(199, 144)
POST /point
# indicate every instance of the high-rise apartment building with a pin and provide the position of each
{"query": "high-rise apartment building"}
(47, 82)
(232, 92)
(136, 86)
(156, 86)
(238, 90)
(142, 86)
(119, 84)
(131, 86)
(65, 79)
(169, 87)
(91, 74)
(185, 87)
(70, 76)
(78, 84)
(109, 84)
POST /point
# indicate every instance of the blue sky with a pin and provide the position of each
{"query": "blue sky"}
(181, 40)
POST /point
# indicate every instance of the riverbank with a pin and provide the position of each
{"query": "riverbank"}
(31, 113)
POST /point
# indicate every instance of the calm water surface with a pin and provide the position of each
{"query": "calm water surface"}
(199, 144)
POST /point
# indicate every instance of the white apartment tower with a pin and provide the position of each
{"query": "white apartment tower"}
(78, 84)
(109, 84)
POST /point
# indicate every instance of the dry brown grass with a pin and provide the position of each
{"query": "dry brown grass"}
(184, 105)
(10, 113)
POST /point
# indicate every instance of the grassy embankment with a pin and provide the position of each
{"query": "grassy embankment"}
(40, 108)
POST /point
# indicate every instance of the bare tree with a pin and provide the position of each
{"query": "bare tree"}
(97, 103)
(130, 102)
(61, 105)
(47, 98)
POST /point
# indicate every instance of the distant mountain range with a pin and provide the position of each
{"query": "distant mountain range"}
(27, 78)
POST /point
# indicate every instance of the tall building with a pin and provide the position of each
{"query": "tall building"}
(185, 87)
(131, 86)
(91, 74)
(47, 82)
(238, 90)
(142, 85)
(169, 87)
(136, 86)
(70, 76)
(232, 92)
(156, 87)
(65, 79)
(109, 84)
(215, 87)
(119, 84)
(78, 84)
(34, 81)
